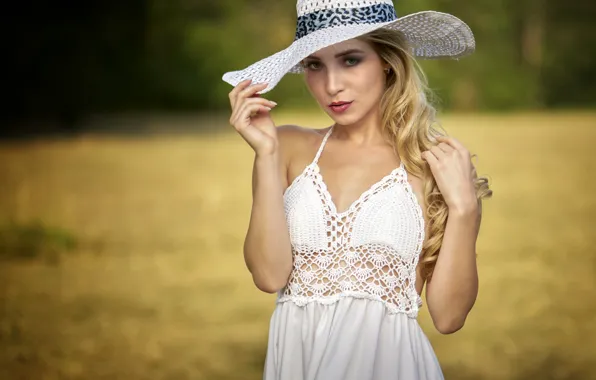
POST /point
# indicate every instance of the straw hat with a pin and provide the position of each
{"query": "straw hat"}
(322, 23)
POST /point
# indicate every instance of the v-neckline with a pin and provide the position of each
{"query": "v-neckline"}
(329, 198)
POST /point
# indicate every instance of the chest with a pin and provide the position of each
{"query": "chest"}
(387, 213)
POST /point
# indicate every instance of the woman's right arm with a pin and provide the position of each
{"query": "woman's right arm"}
(267, 248)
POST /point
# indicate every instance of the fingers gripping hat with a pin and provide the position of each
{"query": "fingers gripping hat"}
(322, 23)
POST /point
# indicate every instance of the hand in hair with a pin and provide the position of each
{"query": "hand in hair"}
(451, 165)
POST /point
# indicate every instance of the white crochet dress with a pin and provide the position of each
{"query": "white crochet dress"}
(349, 309)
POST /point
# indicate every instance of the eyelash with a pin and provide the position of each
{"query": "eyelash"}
(307, 65)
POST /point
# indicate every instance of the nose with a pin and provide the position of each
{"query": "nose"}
(334, 83)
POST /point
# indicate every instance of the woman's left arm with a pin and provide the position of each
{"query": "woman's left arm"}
(453, 287)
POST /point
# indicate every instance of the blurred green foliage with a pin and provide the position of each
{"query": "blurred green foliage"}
(530, 54)
(34, 240)
(170, 54)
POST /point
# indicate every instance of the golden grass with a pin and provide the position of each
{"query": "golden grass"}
(157, 289)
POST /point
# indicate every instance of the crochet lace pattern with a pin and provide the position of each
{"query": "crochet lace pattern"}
(369, 250)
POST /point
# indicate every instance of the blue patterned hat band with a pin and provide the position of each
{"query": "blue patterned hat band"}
(325, 18)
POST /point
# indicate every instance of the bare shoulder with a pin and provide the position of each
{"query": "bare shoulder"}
(294, 138)
(297, 147)
(292, 131)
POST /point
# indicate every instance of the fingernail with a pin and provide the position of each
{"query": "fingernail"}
(268, 109)
(272, 102)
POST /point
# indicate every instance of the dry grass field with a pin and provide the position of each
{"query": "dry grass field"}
(120, 256)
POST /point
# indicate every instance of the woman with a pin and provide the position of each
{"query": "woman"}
(349, 222)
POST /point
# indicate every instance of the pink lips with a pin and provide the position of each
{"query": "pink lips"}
(339, 107)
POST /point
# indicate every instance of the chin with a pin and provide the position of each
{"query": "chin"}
(346, 119)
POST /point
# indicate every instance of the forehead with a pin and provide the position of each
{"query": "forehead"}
(332, 50)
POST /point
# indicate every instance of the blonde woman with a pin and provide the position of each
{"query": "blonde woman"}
(350, 222)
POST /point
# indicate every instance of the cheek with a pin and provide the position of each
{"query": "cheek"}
(308, 78)
(369, 83)
(315, 85)
(369, 79)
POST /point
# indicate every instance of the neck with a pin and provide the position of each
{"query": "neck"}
(364, 132)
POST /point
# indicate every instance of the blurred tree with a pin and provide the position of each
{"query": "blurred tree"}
(569, 75)
(67, 60)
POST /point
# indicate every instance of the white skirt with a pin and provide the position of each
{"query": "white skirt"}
(351, 339)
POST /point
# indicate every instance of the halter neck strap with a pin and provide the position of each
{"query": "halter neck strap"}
(322, 145)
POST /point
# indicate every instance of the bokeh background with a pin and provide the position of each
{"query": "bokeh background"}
(125, 195)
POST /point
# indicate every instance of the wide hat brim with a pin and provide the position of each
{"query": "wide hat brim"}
(430, 34)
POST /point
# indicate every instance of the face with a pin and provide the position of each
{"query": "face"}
(347, 80)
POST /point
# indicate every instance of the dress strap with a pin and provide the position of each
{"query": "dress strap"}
(322, 145)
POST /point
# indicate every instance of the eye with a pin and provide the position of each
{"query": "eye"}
(312, 65)
(352, 61)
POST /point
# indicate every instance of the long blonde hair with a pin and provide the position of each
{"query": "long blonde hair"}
(409, 121)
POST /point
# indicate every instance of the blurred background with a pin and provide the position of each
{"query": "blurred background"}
(125, 195)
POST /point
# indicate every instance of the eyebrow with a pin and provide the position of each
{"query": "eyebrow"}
(350, 51)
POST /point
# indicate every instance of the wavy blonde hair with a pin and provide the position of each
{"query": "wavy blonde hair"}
(408, 118)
